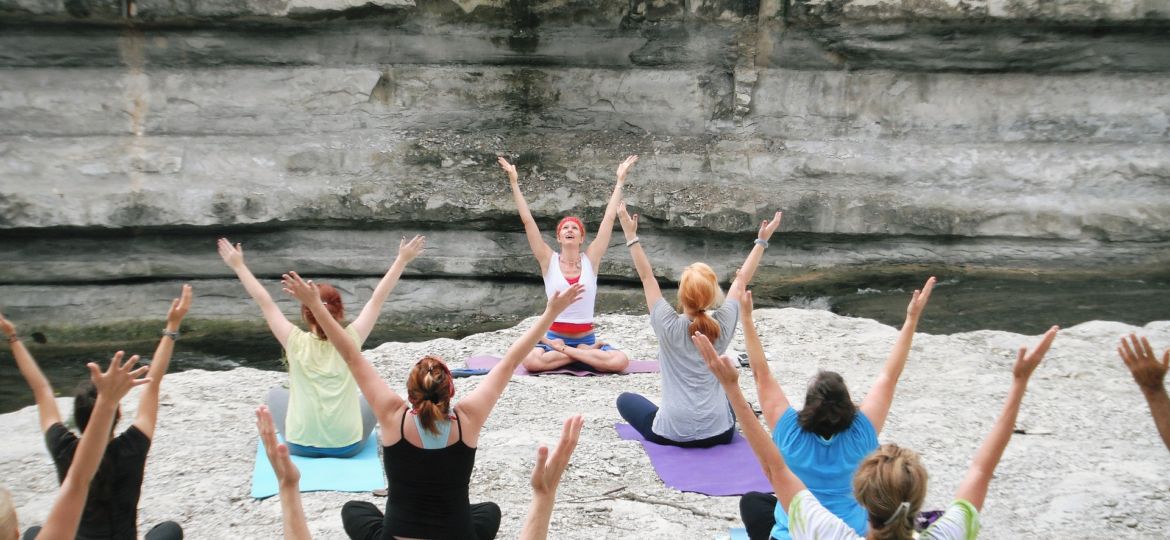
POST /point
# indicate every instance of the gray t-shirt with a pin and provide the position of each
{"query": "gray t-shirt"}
(693, 404)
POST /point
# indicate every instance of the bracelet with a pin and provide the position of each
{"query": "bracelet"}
(632, 242)
(13, 338)
(761, 242)
(173, 335)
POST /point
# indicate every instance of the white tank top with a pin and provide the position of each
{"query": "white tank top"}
(581, 311)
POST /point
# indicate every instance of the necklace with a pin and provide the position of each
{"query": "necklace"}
(572, 264)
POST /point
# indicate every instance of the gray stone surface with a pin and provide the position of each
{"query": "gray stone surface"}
(964, 136)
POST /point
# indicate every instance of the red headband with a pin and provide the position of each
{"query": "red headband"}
(574, 219)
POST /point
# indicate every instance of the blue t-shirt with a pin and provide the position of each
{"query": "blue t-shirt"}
(826, 467)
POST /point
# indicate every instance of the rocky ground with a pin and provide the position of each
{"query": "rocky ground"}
(1087, 462)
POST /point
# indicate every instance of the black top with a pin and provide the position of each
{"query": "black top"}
(111, 509)
(428, 489)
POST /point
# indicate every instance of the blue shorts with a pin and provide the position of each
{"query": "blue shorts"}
(587, 339)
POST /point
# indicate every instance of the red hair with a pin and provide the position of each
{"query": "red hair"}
(698, 291)
(332, 300)
(429, 388)
(574, 219)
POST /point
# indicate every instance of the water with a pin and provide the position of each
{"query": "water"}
(1026, 304)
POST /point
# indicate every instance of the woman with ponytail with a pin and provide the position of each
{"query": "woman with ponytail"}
(694, 411)
(320, 414)
(428, 443)
(890, 483)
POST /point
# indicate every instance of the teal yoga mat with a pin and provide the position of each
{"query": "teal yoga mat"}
(362, 472)
(739, 533)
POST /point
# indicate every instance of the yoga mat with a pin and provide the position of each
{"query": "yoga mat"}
(636, 366)
(362, 472)
(739, 533)
(460, 373)
(721, 470)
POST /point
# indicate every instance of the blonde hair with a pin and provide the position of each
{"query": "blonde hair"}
(698, 291)
(886, 479)
(9, 528)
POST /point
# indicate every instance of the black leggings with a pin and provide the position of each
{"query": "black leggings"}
(758, 511)
(640, 413)
(167, 530)
(363, 521)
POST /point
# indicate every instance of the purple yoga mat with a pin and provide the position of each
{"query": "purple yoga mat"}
(722, 470)
(636, 366)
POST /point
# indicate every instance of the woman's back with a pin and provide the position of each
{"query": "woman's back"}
(693, 404)
(429, 486)
(323, 408)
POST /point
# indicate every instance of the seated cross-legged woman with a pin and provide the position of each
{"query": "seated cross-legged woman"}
(111, 509)
(825, 441)
(694, 410)
(321, 414)
(428, 442)
(570, 341)
(890, 482)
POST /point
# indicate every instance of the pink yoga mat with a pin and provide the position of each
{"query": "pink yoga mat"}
(722, 470)
(636, 366)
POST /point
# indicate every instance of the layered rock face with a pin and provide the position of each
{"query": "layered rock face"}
(962, 136)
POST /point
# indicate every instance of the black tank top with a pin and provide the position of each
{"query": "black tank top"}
(428, 489)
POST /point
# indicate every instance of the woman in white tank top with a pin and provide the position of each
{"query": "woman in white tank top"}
(571, 341)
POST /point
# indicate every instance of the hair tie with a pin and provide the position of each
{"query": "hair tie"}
(898, 514)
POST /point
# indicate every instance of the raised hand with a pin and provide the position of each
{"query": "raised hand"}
(629, 223)
(305, 291)
(233, 256)
(286, 472)
(1026, 362)
(720, 366)
(546, 475)
(510, 169)
(7, 327)
(118, 378)
(624, 168)
(561, 300)
(179, 307)
(407, 251)
(919, 299)
(745, 303)
(767, 227)
(1143, 363)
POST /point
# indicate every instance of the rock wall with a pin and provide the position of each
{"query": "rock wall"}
(960, 136)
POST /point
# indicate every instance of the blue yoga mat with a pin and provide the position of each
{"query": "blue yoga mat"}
(362, 472)
(739, 533)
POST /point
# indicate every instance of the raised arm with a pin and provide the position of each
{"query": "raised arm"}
(638, 255)
(1150, 375)
(876, 405)
(407, 251)
(973, 488)
(785, 484)
(233, 256)
(546, 475)
(383, 400)
(112, 385)
(772, 398)
(147, 416)
(752, 262)
(539, 247)
(288, 477)
(37, 382)
(600, 243)
(479, 403)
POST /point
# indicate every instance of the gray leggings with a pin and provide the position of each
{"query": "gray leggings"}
(277, 402)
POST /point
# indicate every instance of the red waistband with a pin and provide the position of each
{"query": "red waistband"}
(571, 328)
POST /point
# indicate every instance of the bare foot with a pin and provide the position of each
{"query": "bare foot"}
(556, 344)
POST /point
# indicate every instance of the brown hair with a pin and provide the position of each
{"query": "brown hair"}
(698, 291)
(828, 410)
(332, 300)
(429, 389)
(885, 479)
